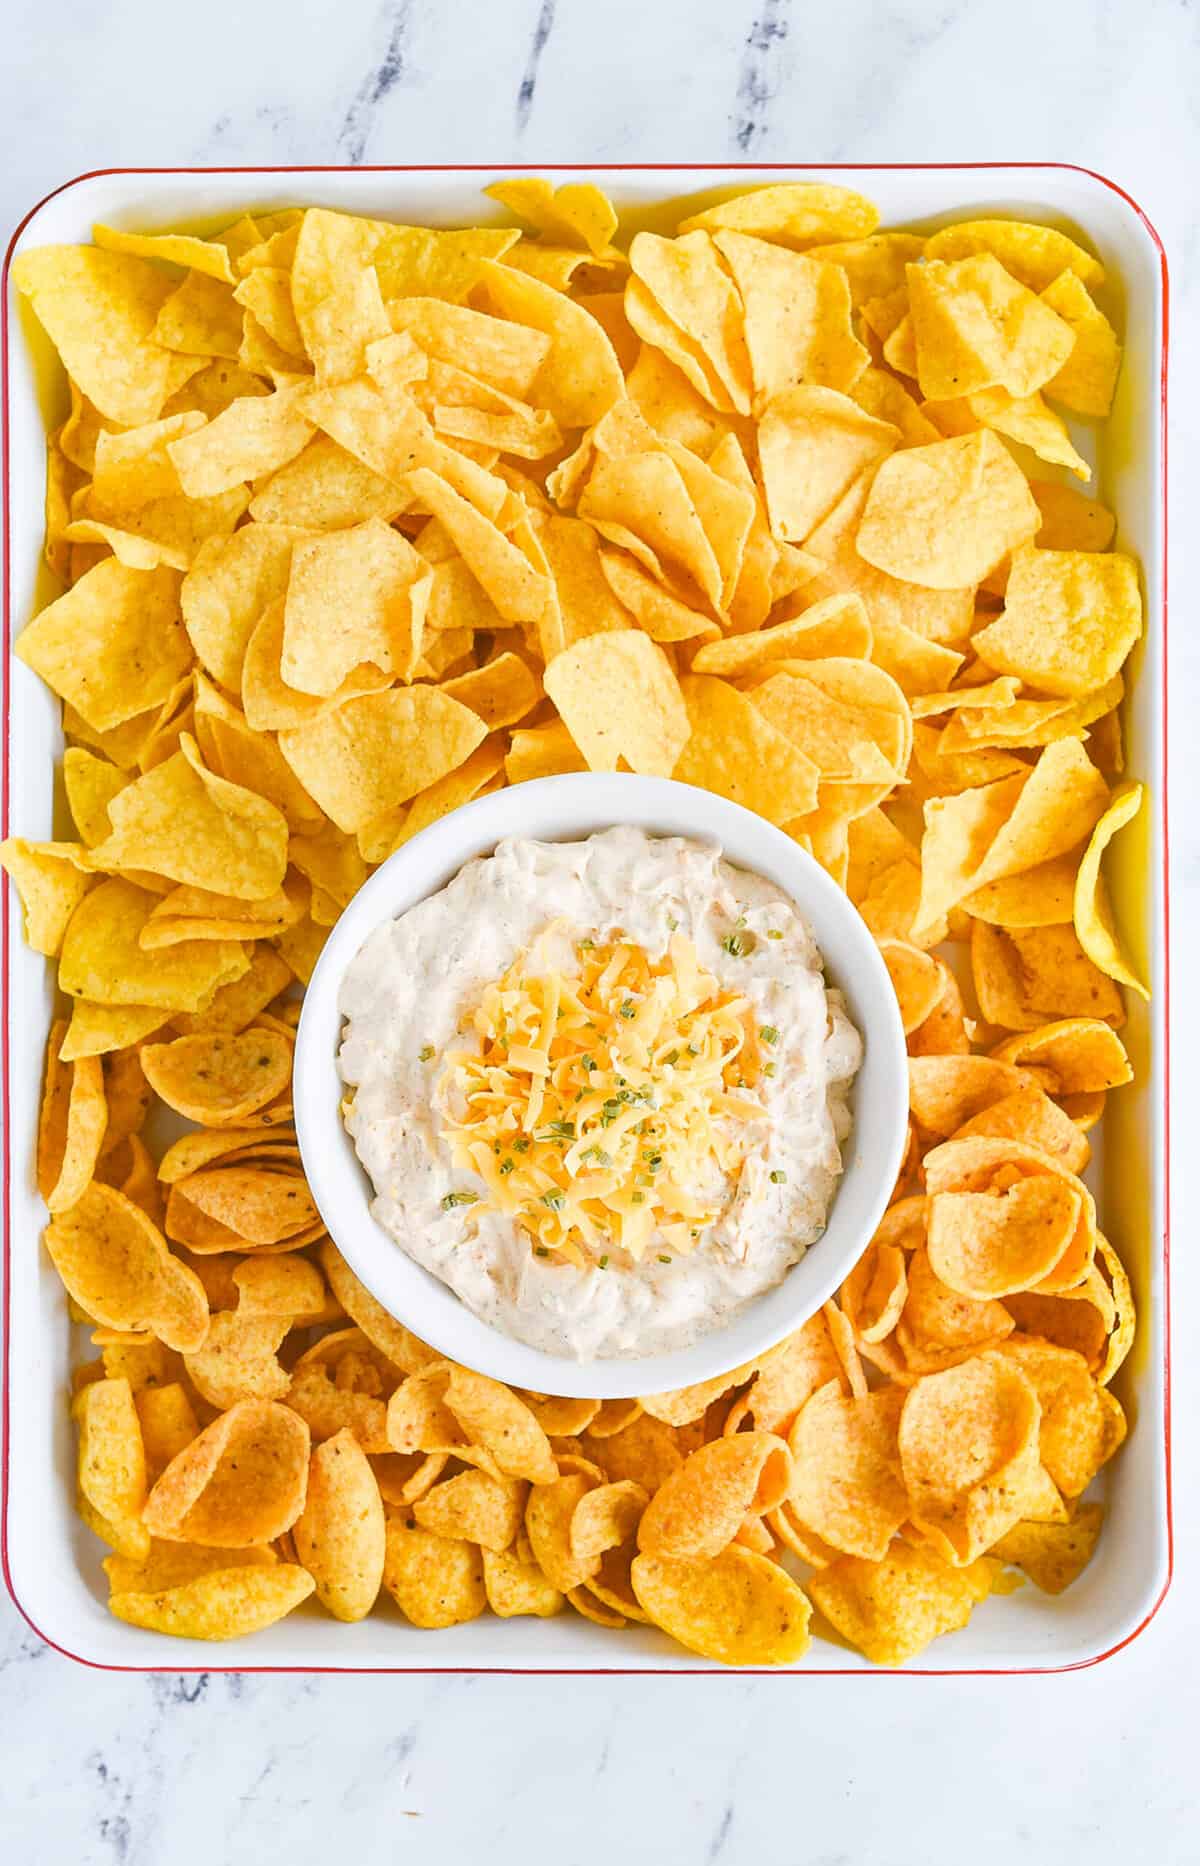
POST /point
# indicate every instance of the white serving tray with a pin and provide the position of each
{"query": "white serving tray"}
(51, 1562)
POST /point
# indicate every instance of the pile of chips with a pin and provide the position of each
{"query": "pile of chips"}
(356, 521)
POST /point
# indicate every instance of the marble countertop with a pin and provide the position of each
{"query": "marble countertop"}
(105, 1768)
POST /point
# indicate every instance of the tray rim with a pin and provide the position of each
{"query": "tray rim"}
(733, 169)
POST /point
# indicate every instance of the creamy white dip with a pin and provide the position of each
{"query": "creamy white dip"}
(404, 998)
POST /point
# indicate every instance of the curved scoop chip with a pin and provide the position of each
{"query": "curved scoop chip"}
(986, 1244)
(237, 1361)
(341, 1535)
(699, 1511)
(115, 1263)
(494, 1418)
(846, 1486)
(434, 1580)
(740, 1609)
(892, 1609)
(227, 1604)
(218, 1079)
(968, 1442)
(242, 1481)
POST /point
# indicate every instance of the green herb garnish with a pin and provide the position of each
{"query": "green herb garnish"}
(769, 1033)
(425, 1052)
(459, 1198)
(778, 1178)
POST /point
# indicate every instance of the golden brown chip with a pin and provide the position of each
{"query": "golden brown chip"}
(340, 1534)
(242, 1481)
(740, 1608)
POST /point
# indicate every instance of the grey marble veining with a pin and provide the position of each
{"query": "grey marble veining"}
(110, 1770)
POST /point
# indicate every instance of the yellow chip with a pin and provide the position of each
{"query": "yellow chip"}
(91, 783)
(242, 1481)
(182, 821)
(219, 1079)
(1035, 255)
(266, 291)
(253, 436)
(686, 280)
(200, 319)
(945, 515)
(1053, 1554)
(1095, 925)
(507, 355)
(797, 317)
(942, 616)
(103, 961)
(573, 212)
(180, 249)
(1027, 420)
(51, 882)
(353, 596)
(99, 310)
(1087, 380)
(619, 699)
(976, 327)
(501, 692)
(113, 646)
(415, 261)
(813, 445)
(1070, 619)
(513, 583)
(580, 378)
(542, 751)
(736, 751)
(226, 590)
(324, 488)
(794, 213)
(379, 750)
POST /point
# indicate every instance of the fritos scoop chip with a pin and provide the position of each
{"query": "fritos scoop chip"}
(227, 1603)
(740, 1608)
(968, 1444)
(892, 1609)
(698, 1512)
(340, 1534)
(242, 1481)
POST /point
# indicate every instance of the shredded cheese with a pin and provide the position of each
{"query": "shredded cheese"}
(608, 1100)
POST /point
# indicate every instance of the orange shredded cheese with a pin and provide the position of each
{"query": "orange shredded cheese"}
(608, 1102)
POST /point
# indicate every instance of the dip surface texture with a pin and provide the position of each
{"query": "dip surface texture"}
(765, 1172)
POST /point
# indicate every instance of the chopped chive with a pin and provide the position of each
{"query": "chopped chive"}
(588, 1063)
(425, 1052)
(522, 1145)
(774, 933)
(558, 1130)
(692, 1050)
(603, 1263)
(663, 1259)
(539, 1250)
(768, 1069)
(587, 945)
(734, 945)
(554, 1201)
(769, 1033)
(506, 1166)
(672, 1056)
(672, 923)
(637, 1198)
(627, 1008)
(459, 1198)
(778, 1178)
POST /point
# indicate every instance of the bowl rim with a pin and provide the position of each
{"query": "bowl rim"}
(570, 808)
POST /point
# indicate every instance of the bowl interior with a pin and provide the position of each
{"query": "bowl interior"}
(568, 809)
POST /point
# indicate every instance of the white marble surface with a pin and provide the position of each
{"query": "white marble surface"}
(1100, 1765)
